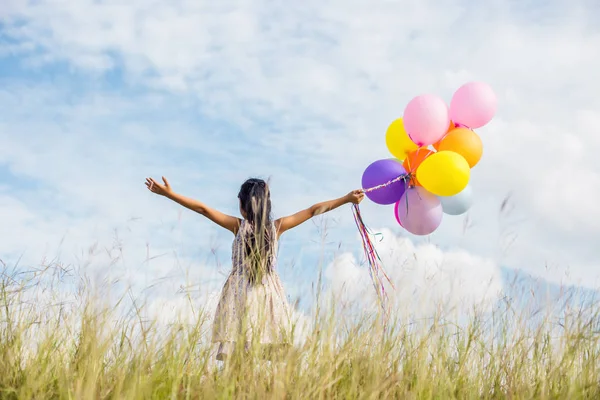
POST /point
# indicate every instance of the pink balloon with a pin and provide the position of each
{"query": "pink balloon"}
(426, 119)
(419, 211)
(473, 104)
(396, 213)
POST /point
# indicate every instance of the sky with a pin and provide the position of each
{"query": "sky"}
(95, 96)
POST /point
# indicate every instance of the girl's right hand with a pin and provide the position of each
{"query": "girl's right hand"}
(155, 187)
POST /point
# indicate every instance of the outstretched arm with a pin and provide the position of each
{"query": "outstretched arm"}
(226, 221)
(292, 221)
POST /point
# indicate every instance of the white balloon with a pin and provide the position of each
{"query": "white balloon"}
(459, 203)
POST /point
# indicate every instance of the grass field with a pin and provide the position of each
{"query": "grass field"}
(90, 349)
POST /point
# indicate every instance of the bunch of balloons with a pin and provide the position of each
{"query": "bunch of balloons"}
(434, 148)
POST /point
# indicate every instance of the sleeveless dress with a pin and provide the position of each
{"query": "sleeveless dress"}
(251, 310)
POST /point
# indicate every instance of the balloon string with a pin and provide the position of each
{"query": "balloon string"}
(376, 270)
(403, 177)
(372, 251)
(374, 261)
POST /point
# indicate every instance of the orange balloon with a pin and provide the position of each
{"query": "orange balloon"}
(413, 160)
(464, 142)
(436, 145)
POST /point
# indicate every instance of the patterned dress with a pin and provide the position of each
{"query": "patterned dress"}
(250, 310)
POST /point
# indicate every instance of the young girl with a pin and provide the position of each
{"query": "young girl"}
(253, 305)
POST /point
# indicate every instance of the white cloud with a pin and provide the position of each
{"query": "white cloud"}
(426, 279)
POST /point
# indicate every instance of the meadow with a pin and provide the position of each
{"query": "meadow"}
(90, 348)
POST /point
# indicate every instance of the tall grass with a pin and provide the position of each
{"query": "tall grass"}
(89, 348)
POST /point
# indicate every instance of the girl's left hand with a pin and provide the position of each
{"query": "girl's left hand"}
(355, 196)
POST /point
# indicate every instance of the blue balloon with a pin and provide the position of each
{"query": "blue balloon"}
(459, 203)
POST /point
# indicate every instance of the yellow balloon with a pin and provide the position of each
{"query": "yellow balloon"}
(397, 140)
(444, 173)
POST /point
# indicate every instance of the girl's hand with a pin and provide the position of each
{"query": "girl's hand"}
(355, 196)
(155, 187)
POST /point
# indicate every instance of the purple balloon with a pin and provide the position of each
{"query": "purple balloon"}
(419, 211)
(380, 172)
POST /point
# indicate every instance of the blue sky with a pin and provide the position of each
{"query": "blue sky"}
(95, 96)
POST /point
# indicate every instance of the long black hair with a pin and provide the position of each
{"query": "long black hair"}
(255, 202)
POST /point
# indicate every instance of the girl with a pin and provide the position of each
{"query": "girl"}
(252, 303)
